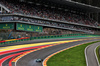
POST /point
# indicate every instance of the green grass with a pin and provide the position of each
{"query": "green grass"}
(97, 50)
(71, 57)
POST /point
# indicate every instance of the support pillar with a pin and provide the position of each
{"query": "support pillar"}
(1, 10)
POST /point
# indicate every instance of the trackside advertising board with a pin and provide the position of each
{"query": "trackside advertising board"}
(6, 25)
(27, 27)
(21, 26)
(38, 28)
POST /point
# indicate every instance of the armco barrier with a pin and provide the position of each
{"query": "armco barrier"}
(2, 41)
(48, 37)
(14, 40)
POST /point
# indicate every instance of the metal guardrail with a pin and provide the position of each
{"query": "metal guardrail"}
(47, 37)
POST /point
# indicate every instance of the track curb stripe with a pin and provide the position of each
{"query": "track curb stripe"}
(2, 49)
(47, 58)
(16, 59)
(14, 55)
(11, 51)
(48, 46)
(19, 57)
(27, 52)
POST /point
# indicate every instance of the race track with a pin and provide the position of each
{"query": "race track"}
(30, 59)
(90, 55)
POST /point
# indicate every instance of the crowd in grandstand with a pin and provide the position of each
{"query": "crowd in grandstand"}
(48, 23)
(53, 31)
(46, 32)
(49, 13)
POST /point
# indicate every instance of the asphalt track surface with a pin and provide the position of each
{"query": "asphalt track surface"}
(30, 59)
(42, 40)
(90, 53)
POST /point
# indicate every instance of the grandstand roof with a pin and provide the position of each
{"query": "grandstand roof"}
(77, 5)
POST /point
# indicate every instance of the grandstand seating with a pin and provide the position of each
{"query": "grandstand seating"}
(48, 23)
(48, 13)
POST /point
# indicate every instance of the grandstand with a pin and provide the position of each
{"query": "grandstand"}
(48, 17)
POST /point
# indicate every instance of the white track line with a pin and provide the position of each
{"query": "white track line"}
(94, 53)
(86, 55)
(66, 48)
(96, 56)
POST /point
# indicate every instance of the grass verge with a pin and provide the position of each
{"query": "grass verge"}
(71, 57)
(97, 52)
